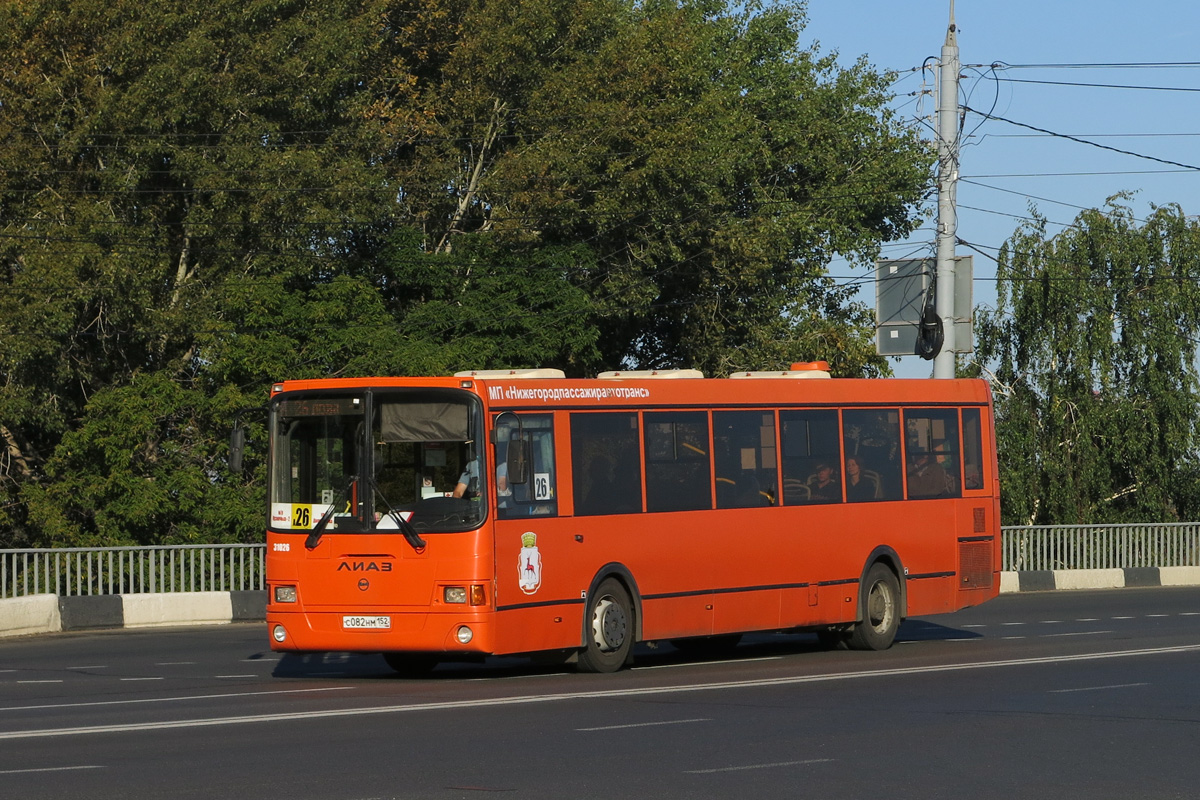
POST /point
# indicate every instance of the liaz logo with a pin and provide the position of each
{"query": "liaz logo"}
(364, 566)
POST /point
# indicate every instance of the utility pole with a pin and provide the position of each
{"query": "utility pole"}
(947, 229)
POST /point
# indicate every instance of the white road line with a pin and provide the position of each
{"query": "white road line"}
(706, 663)
(1074, 633)
(140, 679)
(50, 769)
(1088, 619)
(93, 666)
(174, 699)
(1129, 617)
(297, 716)
(235, 676)
(646, 724)
(53, 681)
(758, 766)
(1098, 688)
(1156, 616)
(175, 664)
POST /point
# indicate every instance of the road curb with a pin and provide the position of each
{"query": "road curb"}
(48, 613)
(1047, 580)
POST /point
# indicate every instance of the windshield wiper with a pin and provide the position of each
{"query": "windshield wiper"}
(314, 537)
(406, 528)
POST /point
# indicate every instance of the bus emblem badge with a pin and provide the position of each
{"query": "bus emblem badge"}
(530, 576)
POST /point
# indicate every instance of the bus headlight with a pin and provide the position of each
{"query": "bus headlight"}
(279, 634)
(464, 634)
(454, 594)
(285, 594)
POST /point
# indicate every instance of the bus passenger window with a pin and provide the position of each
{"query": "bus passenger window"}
(677, 467)
(538, 495)
(972, 449)
(744, 455)
(812, 458)
(872, 439)
(932, 451)
(605, 463)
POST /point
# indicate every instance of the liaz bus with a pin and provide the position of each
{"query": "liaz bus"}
(488, 513)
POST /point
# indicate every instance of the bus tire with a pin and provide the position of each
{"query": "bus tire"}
(880, 612)
(610, 629)
(411, 665)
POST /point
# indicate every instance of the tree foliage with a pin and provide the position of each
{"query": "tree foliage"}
(199, 199)
(1093, 346)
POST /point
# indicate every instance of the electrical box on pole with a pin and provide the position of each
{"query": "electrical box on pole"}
(903, 290)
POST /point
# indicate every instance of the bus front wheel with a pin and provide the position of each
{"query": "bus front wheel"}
(610, 629)
(880, 613)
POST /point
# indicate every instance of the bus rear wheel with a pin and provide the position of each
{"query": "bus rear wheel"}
(880, 613)
(610, 629)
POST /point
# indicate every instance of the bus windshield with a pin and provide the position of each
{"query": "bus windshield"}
(376, 462)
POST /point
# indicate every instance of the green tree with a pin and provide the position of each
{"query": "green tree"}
(199, 199)
(711, 164)
(1092, 349)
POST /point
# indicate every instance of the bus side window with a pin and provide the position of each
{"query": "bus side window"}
(931, 450)
(606, 463)
(538, 495)
(744, 455)
(972, 449)
(872, 439)
(811, 457)
(677, 465)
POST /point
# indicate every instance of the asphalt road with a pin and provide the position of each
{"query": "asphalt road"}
(1064, 695)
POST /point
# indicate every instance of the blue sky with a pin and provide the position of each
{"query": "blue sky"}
(1004, 168)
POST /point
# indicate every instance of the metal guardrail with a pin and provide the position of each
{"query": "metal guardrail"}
(77, 571)
(1038, 547)
(239, 567)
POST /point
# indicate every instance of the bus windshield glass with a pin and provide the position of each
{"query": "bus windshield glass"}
(402, 461)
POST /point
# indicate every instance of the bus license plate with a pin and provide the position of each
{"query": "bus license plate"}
(373, 623)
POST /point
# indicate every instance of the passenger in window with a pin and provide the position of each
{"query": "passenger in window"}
(926, 477)
(823, 487)
(861, 484)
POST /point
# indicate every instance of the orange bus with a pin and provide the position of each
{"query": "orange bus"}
(437, 519)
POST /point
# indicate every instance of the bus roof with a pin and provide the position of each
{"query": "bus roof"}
(516, 392)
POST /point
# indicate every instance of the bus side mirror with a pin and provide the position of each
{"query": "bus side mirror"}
(518, 462)
(237, 444)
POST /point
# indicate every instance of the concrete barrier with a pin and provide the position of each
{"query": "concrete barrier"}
(167, 608)
(48, 613)
(37, 613)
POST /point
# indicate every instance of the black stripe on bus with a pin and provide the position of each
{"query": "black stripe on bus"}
(541, 604)
(925, 575)
(729, 590)
(976, 538)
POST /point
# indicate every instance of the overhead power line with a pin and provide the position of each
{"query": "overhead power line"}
(1079, 140)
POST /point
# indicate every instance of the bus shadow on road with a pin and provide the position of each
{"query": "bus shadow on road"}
(318, 666)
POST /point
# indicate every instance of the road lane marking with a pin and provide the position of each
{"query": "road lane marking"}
(140, 679)
(1098, 688)
(707, 663)
(758, 766)
(602, 694)
(646, 724)
(1073, 633)
(235, 676)
(175, 664)
(50, 769)
(174, 699)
